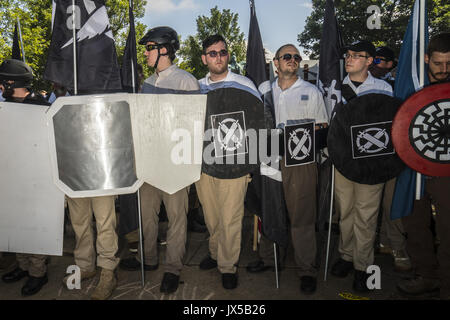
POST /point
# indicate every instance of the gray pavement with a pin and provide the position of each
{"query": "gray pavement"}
(196, 284)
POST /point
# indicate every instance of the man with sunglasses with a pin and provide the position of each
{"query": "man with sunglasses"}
(161, 43)
(224, 225)
(296, 100)
(357, 203)
(382, 65)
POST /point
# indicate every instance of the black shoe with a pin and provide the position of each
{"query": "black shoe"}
(208, 263)
(341, 268)
(34, 285)
(15, 275)
(169, 283)
(258, 266)
(131, 264)
(360, 281)
(308, 284)
(229, 280)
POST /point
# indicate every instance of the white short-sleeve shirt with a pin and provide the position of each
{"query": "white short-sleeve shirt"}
(300, 101)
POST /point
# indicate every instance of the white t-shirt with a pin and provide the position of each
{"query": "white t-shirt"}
(232, 80)
(300, 101)
(171, 80)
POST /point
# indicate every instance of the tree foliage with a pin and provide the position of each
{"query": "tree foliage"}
(352, 19)
(35, 19)
(222, 22)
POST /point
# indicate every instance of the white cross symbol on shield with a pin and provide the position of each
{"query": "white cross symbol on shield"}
(372, 140)
(230, 134)
(300, 144)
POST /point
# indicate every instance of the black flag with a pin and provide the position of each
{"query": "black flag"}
(16, 46)
(265, 195)
(97, 66)
(255, 66)
(129, 63)
(330, 55)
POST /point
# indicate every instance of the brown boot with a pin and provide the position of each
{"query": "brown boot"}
(84, 275)
(105, 286)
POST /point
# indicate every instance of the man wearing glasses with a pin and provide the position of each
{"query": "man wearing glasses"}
(222, 199)
(357, 203)
(296, 100)
(161, 43)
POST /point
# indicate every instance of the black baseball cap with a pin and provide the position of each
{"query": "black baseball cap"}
(386, 53)
(362, 45)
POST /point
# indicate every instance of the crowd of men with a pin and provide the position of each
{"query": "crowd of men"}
(357, 205)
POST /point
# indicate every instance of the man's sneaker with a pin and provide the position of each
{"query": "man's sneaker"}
(84, 275)
(208, 263)
(418, 285)
(402, 263)
(133, 247)
(341, 268)
(105, 286)
(360, 281)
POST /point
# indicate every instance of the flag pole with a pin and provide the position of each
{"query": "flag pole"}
(21, 40)
(421, 76)
(133, 82)
(74, 30)
(329, 223)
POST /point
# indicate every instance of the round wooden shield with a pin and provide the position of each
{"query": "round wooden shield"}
(421, 131)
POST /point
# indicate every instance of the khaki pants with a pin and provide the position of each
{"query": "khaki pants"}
(33, 263)
(176, 207)
(223, 207)
(358, 206)
(107, 241)
(392, 232)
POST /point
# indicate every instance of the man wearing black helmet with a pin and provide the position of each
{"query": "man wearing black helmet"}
(161, 43)
(15, 84)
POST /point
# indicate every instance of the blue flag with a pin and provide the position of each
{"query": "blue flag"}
(407, 83)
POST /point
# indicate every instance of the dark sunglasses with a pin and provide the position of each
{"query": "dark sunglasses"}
(289, 56)
(213, 54)
(150, 47)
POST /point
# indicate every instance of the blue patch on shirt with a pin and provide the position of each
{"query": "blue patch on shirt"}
(304, 97)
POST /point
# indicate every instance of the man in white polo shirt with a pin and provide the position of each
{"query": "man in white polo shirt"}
(294, 100)
(357, 203)
(222, 199)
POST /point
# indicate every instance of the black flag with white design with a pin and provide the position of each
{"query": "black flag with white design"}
(264, 196)
(16, 46)
(331, 45)
(129, 63)
(97, 67)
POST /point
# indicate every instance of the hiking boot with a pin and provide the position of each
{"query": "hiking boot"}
(384, 249)
(34, 285)
(105, 286)
(360, 281)
(84, 275)
(418, 285)
(402, 263)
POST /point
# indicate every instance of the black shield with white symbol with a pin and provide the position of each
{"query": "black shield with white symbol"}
(229, 134)
(421, 131)
(299, 144)
(233, 120)
(357, 143)
(372, 140)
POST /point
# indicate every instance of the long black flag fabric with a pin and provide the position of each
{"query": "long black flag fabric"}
(97, 66)
(331, 45)
(265, 193)
(129, 63)
(15, 45)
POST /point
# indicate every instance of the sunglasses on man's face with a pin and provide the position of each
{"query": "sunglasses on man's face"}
(150, 47)
(289, 56)
(213, 53)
